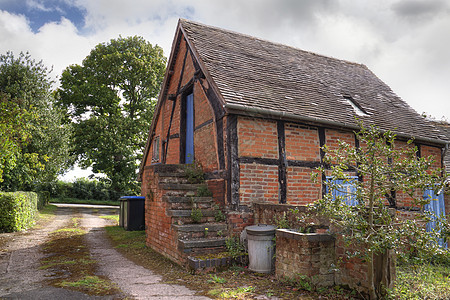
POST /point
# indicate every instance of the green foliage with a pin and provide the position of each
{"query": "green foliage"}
(83, 189)
(282, 222)
(110, 99)
(219, 216)
(194, 172)
(216, 279)
(34, 141)
(234, 246)
(203, 191)
(299, 281)
(18, 210)
(386, 168)
(422, 281)
(196, 213)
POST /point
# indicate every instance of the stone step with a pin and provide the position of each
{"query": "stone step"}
(193, 231)
(169, 168)
(200, 245)
(188, 220)
(173, 178)
(187, 212)
(180, 199)
(176, 202)
(181, 186)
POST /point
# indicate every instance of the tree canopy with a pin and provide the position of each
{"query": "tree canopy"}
(34, 141)
(110, 100)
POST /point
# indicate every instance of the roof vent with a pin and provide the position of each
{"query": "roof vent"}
(356, 107)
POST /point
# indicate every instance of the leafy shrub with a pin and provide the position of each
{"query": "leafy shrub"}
(43, 199)
(194, 172)
(84, 189)
(234, 246)
(18, 210)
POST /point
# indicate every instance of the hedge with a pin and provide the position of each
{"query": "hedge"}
(18, 209)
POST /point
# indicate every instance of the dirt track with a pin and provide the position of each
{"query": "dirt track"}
(21, 277)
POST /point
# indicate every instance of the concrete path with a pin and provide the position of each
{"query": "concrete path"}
(21, 278)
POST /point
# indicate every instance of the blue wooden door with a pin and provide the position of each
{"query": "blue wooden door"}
(437, 208)
(189, 143)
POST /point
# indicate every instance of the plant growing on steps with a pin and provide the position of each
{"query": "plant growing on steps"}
(194, 172)
(219, 216)
(203, 191)
(234, 246)
(196, 213)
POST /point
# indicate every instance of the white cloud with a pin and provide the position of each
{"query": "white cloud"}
(403, 41)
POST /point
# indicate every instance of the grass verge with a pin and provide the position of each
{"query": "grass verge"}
(422, 281)
(235, 282)
(68, 258)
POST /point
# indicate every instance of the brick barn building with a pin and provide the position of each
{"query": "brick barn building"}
(254, 114)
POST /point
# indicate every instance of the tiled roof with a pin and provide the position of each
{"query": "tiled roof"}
(254, 73)
(445, 129)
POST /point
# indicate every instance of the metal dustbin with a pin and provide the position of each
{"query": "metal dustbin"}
(132, 211)
(260, 240)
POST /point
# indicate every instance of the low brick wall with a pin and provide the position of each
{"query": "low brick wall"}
(310, 254)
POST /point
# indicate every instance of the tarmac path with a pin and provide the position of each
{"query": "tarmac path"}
(21, 278)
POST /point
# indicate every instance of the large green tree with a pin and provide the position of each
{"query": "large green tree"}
(110, 98)
(36, 148)
(387, 167)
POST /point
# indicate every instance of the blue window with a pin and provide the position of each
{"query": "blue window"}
(345, 189)
(437, 209)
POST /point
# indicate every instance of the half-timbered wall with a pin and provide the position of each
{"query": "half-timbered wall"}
(276, 159)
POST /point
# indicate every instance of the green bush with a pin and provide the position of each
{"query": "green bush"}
(17, 210)
(83, 189)
(43, 199)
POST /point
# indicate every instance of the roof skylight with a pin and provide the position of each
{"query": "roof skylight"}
(356, 107)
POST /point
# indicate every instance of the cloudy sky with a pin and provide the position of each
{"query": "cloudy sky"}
(406, 43)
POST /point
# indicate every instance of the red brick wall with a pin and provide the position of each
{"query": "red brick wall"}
(332, 138)
(205, 142)
(427, 151)
(257, 138)
(300, 189)
(205, 150)
(258, 183)
(302, 143)
(238, 220)
(159, 233)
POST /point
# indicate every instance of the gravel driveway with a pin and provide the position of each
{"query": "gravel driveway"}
(21, 278)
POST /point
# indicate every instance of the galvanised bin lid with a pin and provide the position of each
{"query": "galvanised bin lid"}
(261, 229)
(132, 198)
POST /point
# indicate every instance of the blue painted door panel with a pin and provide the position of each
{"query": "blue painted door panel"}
(189, 151)
(436, 206)
(346, 190)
